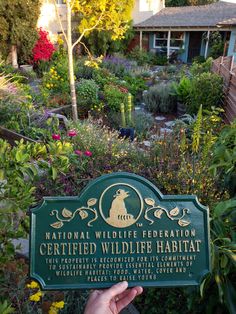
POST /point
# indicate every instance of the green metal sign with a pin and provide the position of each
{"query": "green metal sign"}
(120, 228)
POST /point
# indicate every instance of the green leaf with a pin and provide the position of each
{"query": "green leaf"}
(222, 207)
(230, 296)
(231, 255)
(54, 173)
(6, 308)
(223, 261)
(202, 287)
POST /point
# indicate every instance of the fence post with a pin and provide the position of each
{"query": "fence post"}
(221, 63)
(226, 96)
(231, 64)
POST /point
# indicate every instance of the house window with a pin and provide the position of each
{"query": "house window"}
(176, 40)
(160, 40)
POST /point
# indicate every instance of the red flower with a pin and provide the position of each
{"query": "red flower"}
(56, 137)
(72, 133)
(43, 48)
(88, 153)
(78, 152)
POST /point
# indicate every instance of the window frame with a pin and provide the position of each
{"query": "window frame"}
(166, 39)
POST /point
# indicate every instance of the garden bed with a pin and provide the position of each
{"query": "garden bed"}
(12, 136)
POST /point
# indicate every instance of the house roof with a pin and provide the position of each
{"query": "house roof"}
(211, 15)
(228, 22)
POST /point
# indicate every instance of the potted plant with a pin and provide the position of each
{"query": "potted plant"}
(182, 91)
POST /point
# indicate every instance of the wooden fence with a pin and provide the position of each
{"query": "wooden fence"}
(226, 67)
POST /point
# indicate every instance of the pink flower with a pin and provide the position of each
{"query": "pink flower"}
(88, 153)
(56, 137)
(72, 133)
(78, 152)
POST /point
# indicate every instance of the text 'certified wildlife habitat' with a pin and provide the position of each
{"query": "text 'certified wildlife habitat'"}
(120, 228)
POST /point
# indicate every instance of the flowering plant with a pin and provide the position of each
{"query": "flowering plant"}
(43, 48)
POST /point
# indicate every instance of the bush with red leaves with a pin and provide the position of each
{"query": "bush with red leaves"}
(43, 48)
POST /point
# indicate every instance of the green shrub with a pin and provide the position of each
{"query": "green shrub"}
(82, 70)
(182, 89)
(171, 68)
(103, 76)
(135, 85)
(143, 123)
(87, 94)
(224, 157)
(216, 44)
(201, 67)
(55, 81)
(141, 56)
(160, 59)
(206, 89)
(114, 96)
(160, 99)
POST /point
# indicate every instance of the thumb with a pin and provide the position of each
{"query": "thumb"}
(115, 290)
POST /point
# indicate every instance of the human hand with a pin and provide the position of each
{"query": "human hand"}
(112, 300)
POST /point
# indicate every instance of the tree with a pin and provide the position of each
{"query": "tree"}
(110, 15)
(100, 43)
(18, 21)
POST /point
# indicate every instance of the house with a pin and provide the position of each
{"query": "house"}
(143, 9)
(186, 30)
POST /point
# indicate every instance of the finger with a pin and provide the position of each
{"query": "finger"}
(123, 294)
(94, 294)
(115, 290)
(128, 298)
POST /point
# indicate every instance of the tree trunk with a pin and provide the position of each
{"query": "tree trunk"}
(14, 56)
(71, 66)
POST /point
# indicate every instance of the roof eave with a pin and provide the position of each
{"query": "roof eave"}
(188, 28)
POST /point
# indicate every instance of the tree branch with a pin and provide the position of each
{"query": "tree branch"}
(86, 30)
(86, 49)
(73, 2)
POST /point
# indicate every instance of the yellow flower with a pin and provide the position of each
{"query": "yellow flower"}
(48, 85)
(33, 285)
(53, 310)
(58, 305)
(36, 297)
(91, 64)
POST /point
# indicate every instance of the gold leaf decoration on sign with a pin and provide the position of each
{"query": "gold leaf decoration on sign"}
(174, 211)
(83, 214)
(158, 213)
(66, 213)
(57, 224)
(149, 201)
(91, 202)
(183, 223)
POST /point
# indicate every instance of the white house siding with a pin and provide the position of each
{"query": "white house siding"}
(48, 18)
(142, 10)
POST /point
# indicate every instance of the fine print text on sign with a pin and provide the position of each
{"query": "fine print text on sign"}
(120, 228)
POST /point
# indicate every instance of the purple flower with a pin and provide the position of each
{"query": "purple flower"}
(78, 152)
